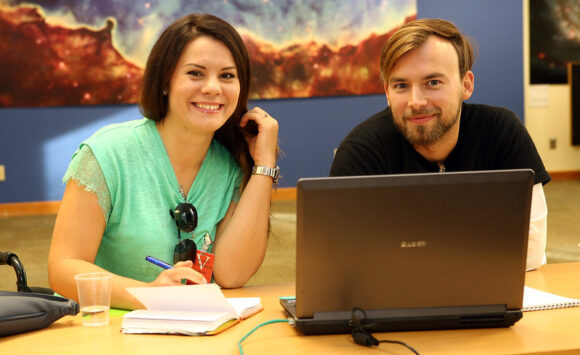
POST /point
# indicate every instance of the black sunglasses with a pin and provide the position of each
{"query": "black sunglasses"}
(185, 217)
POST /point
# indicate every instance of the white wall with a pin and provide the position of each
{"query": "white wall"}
(550, 120)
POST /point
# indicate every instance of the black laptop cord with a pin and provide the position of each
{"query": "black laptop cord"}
(362, 336)
(261, 325)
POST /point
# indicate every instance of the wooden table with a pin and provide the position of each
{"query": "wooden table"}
(547, 332)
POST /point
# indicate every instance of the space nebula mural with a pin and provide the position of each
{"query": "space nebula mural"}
(93, 52)
(554, 39)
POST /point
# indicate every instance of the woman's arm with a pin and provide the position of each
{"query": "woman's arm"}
(242, 235)
(77, 235)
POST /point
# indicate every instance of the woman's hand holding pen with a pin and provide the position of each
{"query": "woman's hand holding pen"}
(262, 146)
(183, 270)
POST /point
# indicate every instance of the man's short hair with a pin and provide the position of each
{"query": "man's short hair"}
(413, 34)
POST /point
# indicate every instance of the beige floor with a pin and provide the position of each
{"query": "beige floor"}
(29, 238)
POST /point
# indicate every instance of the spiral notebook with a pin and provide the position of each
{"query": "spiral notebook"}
(536, 300)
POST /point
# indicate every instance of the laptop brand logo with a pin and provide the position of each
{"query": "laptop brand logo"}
(414, 244)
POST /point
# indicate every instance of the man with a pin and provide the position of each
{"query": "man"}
(426, 71)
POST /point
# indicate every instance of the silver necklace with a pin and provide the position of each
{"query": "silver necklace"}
(181, 192)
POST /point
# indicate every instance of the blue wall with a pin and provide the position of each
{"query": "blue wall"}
(36, 144)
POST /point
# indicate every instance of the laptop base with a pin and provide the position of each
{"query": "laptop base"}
(406, 319)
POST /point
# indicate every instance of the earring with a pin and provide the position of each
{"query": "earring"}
(164, 92)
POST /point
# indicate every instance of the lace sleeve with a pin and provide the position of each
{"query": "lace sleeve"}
(86, 171)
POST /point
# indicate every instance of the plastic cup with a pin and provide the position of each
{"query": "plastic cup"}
(94, 290)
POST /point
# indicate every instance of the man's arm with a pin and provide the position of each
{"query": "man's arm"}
(538, 229)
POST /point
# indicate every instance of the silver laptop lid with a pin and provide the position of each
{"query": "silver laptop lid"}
(408, 241)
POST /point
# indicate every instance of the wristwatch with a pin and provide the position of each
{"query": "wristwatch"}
(274, 173)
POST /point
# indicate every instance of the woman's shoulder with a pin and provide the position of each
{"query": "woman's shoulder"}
(114, 131)
(219, 151)
(122, 140)
(221, 159)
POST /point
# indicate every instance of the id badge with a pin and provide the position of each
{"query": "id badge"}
(204, 264)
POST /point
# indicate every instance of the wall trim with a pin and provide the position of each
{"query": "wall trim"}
(279, 194)
(565, 175)
(284, 194)
(29, 208)
(51, 207)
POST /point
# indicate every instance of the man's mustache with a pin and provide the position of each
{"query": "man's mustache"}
(426, 112)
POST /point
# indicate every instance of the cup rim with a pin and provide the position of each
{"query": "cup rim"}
(93, 276)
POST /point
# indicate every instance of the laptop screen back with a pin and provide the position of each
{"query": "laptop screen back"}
(409, 241)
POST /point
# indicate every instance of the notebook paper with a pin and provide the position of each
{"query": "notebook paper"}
(536, 300)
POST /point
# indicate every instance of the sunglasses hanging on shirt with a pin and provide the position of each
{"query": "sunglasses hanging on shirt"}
(185, 217)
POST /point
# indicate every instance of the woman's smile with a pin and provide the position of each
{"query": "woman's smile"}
(208, 107)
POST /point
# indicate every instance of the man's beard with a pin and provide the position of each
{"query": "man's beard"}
(420, 136)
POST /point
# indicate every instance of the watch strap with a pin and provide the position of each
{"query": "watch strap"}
(274, 173)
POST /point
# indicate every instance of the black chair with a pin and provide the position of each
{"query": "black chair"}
(8, 258)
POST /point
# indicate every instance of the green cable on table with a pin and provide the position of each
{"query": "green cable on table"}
(256, 328)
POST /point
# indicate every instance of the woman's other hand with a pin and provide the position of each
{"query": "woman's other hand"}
(263, 146)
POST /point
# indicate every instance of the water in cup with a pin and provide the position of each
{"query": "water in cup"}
(94, 290)
(95, 315)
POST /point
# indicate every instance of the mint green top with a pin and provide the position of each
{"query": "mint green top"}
(128, 169)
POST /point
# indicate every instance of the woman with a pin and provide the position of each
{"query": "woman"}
(199, 167)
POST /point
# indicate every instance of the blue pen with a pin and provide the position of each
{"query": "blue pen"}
(158, 262)
(165, 265)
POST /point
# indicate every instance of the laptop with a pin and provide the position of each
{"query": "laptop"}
(413, 251)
